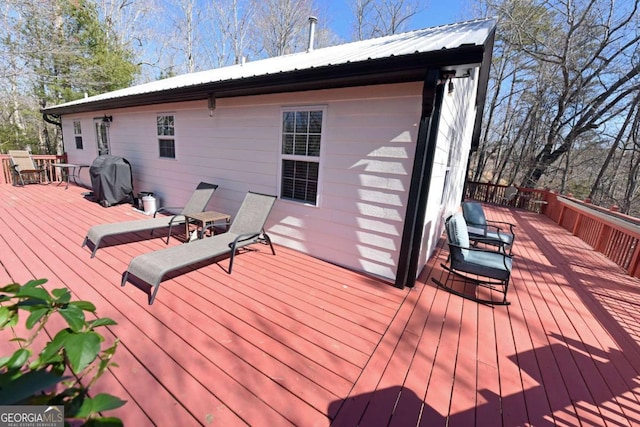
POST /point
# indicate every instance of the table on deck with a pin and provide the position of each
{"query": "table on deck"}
(203, 219)
(72, 171)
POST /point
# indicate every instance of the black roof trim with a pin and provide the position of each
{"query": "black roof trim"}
(393, 69)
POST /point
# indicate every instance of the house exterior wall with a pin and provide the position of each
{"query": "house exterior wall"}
(450, 160)
(367, 149)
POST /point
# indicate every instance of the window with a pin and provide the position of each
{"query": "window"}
(447, 173)
(102, 136)
(77, 132)
(166, 136)
(301, 136)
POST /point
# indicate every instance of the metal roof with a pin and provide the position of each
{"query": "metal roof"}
(399, 57)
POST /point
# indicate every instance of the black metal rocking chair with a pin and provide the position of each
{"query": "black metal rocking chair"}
(482, 230)
(485, 271)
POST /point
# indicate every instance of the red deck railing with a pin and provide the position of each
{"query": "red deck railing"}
(45, 161)
(611, 233)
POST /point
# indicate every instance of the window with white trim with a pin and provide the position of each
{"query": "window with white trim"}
(300, 155)
(77, 133)
(166, 136)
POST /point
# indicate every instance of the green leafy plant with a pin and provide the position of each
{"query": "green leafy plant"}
(63, 372)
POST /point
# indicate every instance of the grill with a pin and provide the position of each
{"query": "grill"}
(111, 180)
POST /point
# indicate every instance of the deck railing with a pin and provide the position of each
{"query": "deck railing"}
(527, 198)
(45, 161)
(611, 233)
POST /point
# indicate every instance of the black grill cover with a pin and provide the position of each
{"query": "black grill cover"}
(111, 180)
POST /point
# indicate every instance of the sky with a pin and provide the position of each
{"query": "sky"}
(432, 14)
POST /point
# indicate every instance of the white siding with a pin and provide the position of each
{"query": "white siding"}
(454, 133)
(89, 149)
(367, 158)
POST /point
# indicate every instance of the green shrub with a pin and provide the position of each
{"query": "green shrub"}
(68, 365)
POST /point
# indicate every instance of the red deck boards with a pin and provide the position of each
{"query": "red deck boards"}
(293, 340)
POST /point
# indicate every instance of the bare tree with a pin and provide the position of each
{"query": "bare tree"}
(615, 145)
(377, 18)
(363, 21)
(588, 54)
(633, 174)
(565, 71)
(232, 19)
(185, 19)
(281, 26)
(137, 26)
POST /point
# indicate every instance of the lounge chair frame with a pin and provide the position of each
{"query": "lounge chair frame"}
(476, 267)
(197, 203)
(246, 228)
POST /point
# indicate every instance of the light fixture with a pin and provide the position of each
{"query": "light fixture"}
(106, 120)
(447, 78)
(211, 102)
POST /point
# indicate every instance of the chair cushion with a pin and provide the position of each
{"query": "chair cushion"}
(457, 230)
(488, 264)
(474, 215)
(504, 237)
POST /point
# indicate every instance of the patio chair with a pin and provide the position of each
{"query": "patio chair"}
(482, 230)
(246, 229)
(23, 166)
(479, 268)
(197, 203)
(510, 194)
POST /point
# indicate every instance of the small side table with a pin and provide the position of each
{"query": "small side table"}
(73, 172)
(203, 219)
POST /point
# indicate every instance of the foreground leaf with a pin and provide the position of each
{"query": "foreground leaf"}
(100, 403)
(18, 359)
(5, 314)
(50, 352)
(74, 317)
(29, 384)
(63, 296)
(35, 316)
(39, 294)
(82, 349)
(103, 321)
(10, 289)
(104, 422)
(84, 305)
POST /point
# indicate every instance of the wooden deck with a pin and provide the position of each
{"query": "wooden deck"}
(292, 340)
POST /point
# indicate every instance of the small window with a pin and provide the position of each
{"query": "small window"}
(301, 137)
(447, 173)
(166, 136)
(77, 132)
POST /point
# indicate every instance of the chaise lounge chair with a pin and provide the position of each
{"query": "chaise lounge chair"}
(23, 167)
(197, 203)
(482, 269)
(482, 230)
(246, 228)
